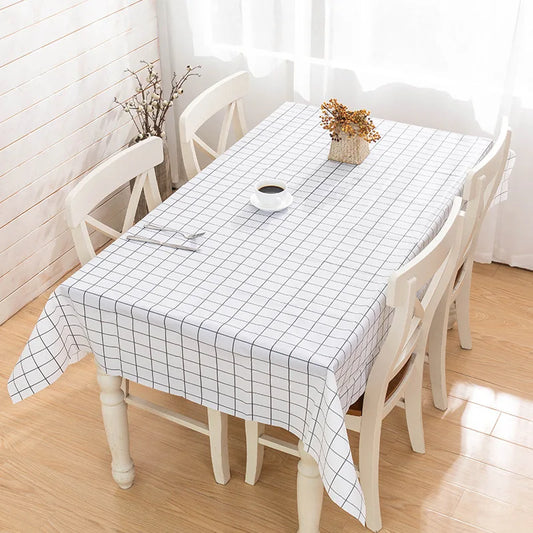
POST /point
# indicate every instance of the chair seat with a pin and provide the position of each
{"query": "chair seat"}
(356, 409)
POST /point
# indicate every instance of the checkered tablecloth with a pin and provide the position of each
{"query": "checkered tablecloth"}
(278, 317)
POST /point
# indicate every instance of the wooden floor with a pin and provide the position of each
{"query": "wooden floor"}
(475, 476)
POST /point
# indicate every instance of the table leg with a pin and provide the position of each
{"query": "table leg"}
(310, 492)
(114, 413)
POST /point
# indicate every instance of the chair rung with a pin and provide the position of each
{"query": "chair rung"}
(278, 444)
(167, 414)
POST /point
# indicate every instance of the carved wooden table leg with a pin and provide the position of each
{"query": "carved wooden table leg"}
(114, 413)
(310, 492)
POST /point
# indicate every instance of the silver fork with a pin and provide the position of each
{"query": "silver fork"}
(187, 236)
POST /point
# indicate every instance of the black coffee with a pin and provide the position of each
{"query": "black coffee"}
(271, 189)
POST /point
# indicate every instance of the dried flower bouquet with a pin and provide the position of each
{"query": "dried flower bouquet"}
(148, 107)
(337, 118)
(350, 132)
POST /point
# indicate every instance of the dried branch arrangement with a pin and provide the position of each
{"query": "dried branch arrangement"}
(148, 107)
(337, 118)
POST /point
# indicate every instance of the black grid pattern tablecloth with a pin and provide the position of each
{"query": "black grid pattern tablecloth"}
(278, 317)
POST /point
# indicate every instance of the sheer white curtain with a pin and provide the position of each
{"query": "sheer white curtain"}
(452, 65)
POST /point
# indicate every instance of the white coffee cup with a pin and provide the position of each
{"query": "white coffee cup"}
(271, 193)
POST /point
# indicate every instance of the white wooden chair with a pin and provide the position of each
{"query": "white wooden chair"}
(227, 93)
(396, 376)
(137, 161)
(481, 185)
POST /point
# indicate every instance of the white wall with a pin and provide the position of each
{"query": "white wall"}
(61, 64)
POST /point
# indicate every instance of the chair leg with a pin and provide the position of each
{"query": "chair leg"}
(452, 316)
(218, 439)
(462, 302)
(369, 440)
(114, 413)
(254, 451)
(413, 407)
(437, 355)
(310, 492)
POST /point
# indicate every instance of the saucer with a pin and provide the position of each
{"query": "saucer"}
(286, 202)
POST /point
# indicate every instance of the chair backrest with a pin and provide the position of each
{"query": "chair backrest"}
(137, 161)
(429, 272)
(227, 93)
(481, 184)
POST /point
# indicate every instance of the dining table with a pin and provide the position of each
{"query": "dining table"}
(277, 317)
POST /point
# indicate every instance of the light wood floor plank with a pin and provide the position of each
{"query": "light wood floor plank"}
(441, 434)
(493, 515)
(447, 467)
(462, 413)
(499, 397)
(514, 429)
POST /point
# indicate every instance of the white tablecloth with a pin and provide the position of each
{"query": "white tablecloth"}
(278, 317)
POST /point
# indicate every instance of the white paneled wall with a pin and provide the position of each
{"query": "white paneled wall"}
(61, 64)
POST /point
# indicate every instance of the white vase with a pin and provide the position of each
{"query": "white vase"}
(164, 182)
